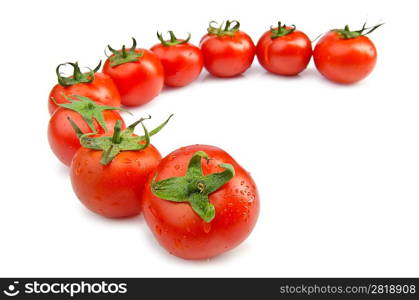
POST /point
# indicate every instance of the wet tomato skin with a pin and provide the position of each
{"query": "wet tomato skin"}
(344, 60)
(114, 190)
(227, 56)
(140, 81)
(180, 230)
(101, 90)
(62, 138)
(182, 63)
(285, 55)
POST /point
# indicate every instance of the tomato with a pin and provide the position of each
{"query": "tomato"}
(63, 141)
(284, 50)
(138, 74)
(345, 56)
(97, 86)
(109, 172)
(182, 61)
(227, 52)
(198, 209)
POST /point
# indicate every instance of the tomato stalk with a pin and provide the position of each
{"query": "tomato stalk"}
(194, 187)
(173, 39)
(281, 30)
(346, 33)
(227, 30)
(89, 110)
(121, 140)
(78, 76)
(123, 56)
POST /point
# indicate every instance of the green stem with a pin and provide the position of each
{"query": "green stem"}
(78, 76)
(346, 33)
(281, 30)
(121, 140)
(194, 187)
(123, 56)
(213, 28)
(173, 39)
(89, 110)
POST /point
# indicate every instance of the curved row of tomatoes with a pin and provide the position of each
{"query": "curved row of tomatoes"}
(198, 201)
(135, 76)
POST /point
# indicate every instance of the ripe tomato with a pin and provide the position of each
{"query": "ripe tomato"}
(89, 117)
(198, 209)
(138, 74)
(345, 56)
(109, 172)
(182, 61)
(97, 86)
(227, 52)
(284, 50)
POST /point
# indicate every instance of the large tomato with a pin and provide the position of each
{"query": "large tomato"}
(88, 116)
(181, 60)
(138, 74)
(199, 208)
(97, 86)
(109, 172)
(345, 56)
(284, 50)
(227, 51)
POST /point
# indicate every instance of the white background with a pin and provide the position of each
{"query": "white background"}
(337, 166)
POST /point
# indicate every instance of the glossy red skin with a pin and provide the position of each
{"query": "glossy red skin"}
(285, 55)
(182, 63)
(344, 60)
(140, 81)
(62, 138)
(114, 190)
(180, 230)
(101, 90)
(227, 56)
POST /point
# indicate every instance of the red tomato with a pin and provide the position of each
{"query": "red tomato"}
(62, 138)
(227, 52)
(182, 61)
(108, 173)
(95, 85)
(284, 50)
(221, 206)
(138, 74)
(345, 56)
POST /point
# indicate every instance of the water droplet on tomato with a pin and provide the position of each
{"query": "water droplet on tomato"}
(158, 230)
(177, 167)
(207, 227)
(153, 211)
(178, 243)
(78, 169)
(242, 182)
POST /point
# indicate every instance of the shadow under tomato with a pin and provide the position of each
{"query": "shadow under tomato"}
(138, 219)
(211, 78)
(62, 169)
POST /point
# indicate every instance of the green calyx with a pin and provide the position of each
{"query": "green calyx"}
(123, 56)
(281, 30)
(228, 28)
(78, 76)
(89, 110)
(173, 39)
(194, 187)
(121, 140)
(346, 33)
